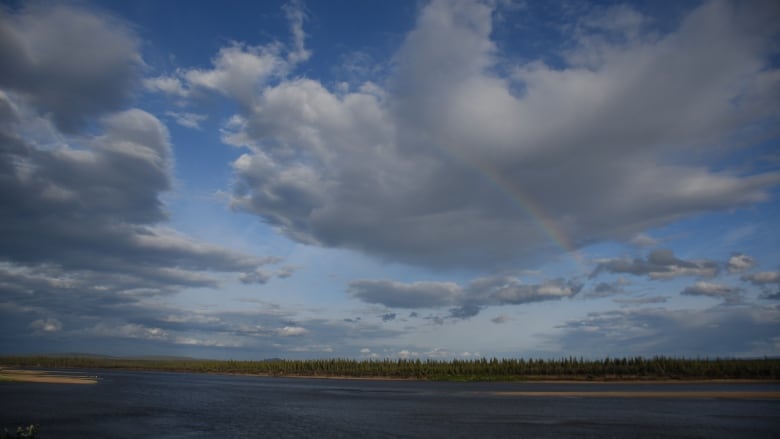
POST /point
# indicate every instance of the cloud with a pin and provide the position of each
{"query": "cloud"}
(767, 280)
(292, 331)
(189, 120)
(739, 262)
(659, 264)
(239, 70)
(501, 319)
(643, 240)
(449, 163)
(296, 15)
(42, 68)
(405, 295)
(83, 221)
(746, 331)
(258, 276)
(388, 317)
(710, 289)
(642, 300)
(47, 325)
(95, 205)
(466, 301)
(604, 289)
(763, 278)
(465, 311)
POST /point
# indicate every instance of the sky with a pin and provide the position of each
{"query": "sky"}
(373, 179)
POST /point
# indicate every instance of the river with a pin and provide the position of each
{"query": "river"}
(132, 404)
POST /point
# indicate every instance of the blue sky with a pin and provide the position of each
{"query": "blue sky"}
(445, 179)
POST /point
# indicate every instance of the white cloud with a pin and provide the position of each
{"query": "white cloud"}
(48, 325)
(446, 164)
(296, 15)
(740, 262)
(166, 84)
(291, 331)
(189, 120)
(643, 240)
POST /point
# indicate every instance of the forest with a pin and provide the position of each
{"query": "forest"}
(483, 369)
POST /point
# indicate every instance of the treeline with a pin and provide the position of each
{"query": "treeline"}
(484, 369)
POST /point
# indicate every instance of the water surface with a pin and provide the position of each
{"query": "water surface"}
(130, 404)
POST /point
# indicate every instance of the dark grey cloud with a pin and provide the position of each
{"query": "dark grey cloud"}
(50, 314)
(85, 244)
(720, 331)
(659, 264)
(501, 319)
(95, 205)
(465, 302)
(631, 301)
(438, 165)
(768, 281)
(763, 278)
(465, 311)
(604, 289)
(69, 62)
(405, 295)
(388, 317)
(714, 290)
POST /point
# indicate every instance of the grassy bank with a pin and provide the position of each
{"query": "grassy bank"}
(636, 368)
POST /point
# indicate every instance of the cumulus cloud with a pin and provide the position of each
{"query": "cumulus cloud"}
(659, 264)
(82, 218)
(239, 70)
(465, 302)
(96, 206)
(739, 262)
(41, 66)
(438, 165)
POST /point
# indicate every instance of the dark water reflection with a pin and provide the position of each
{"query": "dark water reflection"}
(174, 405)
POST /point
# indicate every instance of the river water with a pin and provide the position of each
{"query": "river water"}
(129, 404)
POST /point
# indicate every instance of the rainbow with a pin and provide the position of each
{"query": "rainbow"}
(532, 209)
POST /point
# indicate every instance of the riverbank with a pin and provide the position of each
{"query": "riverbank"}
(656, 370)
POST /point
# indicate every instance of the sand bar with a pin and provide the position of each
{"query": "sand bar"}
(648, 394)
(43, 376)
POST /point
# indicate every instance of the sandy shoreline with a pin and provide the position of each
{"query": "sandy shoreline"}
(42, 376)
(649, 394)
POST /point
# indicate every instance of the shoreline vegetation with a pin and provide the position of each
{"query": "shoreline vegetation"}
(634, 369)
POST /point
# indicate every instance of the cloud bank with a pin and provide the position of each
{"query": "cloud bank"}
(449, 163)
